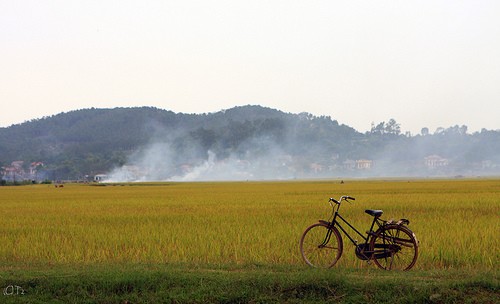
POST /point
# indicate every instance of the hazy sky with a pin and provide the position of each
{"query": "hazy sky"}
(424, 63)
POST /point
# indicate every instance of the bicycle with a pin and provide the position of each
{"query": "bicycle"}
(393, 246)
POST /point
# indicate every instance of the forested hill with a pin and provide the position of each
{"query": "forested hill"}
(91, 141)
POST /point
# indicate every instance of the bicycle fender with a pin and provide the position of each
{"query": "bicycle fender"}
(403, 221)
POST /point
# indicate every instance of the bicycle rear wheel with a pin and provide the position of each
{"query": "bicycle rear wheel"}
(394, 247)
(320, 246)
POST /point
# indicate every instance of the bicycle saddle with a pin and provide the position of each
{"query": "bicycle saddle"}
(375, 213)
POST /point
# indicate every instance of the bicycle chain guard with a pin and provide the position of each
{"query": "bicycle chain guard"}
(382, 251)
(360, 251)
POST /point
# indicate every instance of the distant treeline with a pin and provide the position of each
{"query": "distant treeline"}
(87, 142)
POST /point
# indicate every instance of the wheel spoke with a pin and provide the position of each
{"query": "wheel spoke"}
(399, 248)
(330, 247)
(320, 247)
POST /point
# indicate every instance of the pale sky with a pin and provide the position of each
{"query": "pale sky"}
(424, 63)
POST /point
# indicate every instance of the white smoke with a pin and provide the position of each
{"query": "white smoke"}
(200, 172)
(262, 158)
(150, 164)
(158, 162)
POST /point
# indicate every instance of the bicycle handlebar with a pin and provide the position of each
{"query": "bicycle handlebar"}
(338, 202)
(342, 198)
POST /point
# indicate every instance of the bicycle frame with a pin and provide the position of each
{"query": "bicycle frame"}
(336, 223)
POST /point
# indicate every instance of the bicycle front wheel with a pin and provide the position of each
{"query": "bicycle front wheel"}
(320, 246)
(394, 247)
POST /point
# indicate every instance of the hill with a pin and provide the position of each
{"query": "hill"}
(248, 142)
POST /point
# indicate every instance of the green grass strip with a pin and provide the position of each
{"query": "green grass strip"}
(244, 284)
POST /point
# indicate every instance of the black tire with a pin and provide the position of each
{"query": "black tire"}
(394, 247)
(314, 250)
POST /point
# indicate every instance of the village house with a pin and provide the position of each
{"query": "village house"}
(34, 167)
(100, 178)
(435, 161)
(316, 168)
(360, 164)
(364, 164)
(16, 172)
(349, 164)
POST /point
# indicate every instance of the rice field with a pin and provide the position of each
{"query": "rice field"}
(457, 222)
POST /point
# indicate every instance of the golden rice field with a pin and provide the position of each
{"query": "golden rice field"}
(240, 223)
